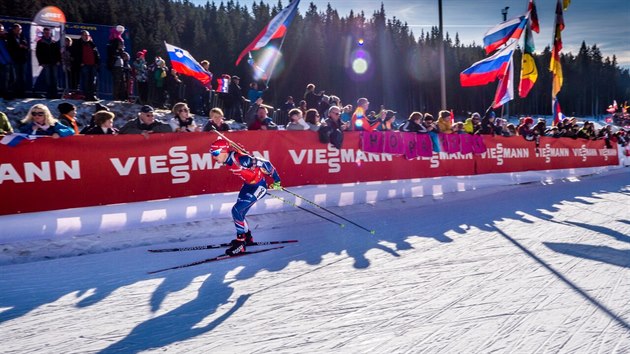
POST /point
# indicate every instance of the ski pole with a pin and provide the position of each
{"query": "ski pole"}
(328, 210)
(309, 211)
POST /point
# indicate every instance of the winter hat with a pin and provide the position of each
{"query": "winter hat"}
(65, 107)
(120, 29)
(141, 53)
(146, 109)
(99, 107)
(390, 115)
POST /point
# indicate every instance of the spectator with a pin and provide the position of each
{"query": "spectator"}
(175, 87)
(203, 92)
(296, 121)
(587, 131)
(234, 100)
(429, 124)
(141, 76)
(71, 76)
(159, 82)
(302, 107)
(335, 101)
(525, 129)
(18, 49)
(5, 125)
(476, 122)
(312, 99)
(458, 128)
(97, 108)
(39, 121)
(145, 124)
(323, 105)
(331, 130)
(5, 62)
(115, 49)
(312, 119)
(48, 53)
(216, 121)
(487, 124)
(260, 120)
(511, 130)
(500, 127)
(359, 116)
(288, 105)
(67, 116)
(388, 120)
(346, 114)
(103, 124)
(444, 122)
(120, 76)
(553, 132)
(412, 125)
(85, 59)
(253, 93)
(540, 127)
(182, 122)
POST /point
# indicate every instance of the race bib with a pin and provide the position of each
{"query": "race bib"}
(260, 192)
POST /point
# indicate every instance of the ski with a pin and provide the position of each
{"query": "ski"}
(215, 259)
(219, 245)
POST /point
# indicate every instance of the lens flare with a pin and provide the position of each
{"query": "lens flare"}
(359, 66)
(268, 62)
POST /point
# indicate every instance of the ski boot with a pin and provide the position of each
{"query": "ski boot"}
(237, 245)
(249, 240)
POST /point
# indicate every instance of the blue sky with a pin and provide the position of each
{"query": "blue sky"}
(601, 22)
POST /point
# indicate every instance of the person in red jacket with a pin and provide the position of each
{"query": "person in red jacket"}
(253, 171)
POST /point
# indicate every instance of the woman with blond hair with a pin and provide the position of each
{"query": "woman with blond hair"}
(39, 121)
(182, 121)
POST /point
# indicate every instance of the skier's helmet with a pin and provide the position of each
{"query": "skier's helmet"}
(219, 146)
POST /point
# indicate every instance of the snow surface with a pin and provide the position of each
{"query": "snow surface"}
(536, 268)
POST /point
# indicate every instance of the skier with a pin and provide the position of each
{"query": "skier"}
(252, 171)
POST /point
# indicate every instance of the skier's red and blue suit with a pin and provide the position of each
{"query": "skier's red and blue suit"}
(252, 171)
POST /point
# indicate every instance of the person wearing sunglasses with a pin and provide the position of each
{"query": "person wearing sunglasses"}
(182, 121)
(145, 124)
(39, 121)
(253, 171)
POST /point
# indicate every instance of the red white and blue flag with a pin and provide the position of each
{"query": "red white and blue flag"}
(277, 28)
(185, 64)
(223, 83)
(16, 138)
(505, 90)
(503, 32)
(488, 70)
(557, 112)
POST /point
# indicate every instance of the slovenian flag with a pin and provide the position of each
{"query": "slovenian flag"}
(488, 70)
(185, 64)
(503, 32)
(277, 28)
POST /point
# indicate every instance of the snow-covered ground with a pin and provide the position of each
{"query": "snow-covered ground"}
(536, 268)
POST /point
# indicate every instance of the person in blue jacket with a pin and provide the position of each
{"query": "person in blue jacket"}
(39, 121)
(253, 171)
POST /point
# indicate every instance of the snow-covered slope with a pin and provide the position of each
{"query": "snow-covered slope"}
(521, 269)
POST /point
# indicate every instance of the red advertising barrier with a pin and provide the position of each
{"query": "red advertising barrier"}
(78, 171)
